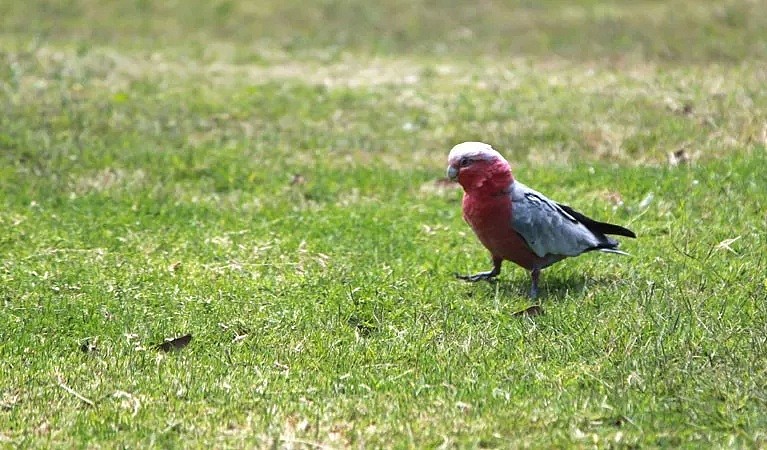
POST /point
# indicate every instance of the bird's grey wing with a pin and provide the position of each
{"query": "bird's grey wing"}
(547, 228)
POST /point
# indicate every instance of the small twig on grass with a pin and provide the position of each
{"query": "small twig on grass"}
(81, 397)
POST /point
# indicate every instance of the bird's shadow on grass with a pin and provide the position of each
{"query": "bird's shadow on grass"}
(550, 288)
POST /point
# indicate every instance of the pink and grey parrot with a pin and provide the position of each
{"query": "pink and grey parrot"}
(519, 224)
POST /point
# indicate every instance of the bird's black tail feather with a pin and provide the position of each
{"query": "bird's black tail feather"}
(599, 227)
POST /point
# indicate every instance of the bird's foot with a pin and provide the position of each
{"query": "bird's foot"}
(489, 276)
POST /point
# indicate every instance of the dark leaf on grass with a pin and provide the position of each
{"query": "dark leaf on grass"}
(531, 311)
(88, 346)
(365, 329)
(361, 326)
(678, 157)
(619, 421)
(174, 344)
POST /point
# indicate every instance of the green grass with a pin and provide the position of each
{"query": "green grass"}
(268, 180)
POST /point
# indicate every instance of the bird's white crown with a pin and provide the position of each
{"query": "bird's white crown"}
(474, 150)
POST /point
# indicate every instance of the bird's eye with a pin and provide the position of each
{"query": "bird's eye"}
(464, 161)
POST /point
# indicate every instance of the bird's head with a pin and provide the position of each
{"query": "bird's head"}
(476, 166)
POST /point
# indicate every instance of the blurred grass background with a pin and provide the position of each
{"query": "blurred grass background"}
(673, 31)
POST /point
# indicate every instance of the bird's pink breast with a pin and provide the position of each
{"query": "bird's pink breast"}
(490, 218)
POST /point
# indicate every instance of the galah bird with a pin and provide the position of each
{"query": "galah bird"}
(517, 223)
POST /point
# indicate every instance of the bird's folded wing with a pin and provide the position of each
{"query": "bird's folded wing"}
(547, 228)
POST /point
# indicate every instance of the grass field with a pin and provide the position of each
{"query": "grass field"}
(270, 180)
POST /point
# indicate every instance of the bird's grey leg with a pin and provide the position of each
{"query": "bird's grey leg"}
(534, 275)
(489, 275)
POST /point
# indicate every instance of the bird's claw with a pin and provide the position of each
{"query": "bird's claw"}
(489, 276)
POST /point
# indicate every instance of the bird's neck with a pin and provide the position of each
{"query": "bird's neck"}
(494, 180)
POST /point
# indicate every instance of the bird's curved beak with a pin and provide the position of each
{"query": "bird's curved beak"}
(452, 173)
